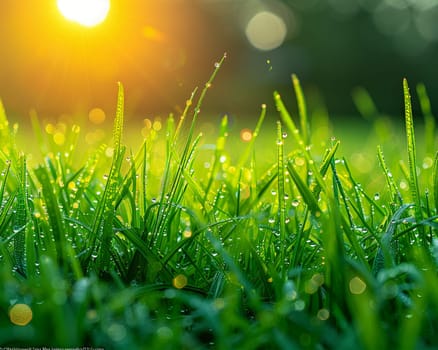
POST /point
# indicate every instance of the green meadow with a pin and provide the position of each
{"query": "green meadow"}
(299, 233)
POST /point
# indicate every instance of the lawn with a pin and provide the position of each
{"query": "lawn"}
(279, 236)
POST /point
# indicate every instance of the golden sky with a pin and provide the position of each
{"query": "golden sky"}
(160, 50)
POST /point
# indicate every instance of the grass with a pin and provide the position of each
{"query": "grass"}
(187, 243)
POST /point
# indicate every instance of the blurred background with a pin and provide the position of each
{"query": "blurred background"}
(161, 50)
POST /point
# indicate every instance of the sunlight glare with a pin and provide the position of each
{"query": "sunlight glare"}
(88, 13)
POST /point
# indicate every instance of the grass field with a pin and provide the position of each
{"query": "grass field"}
(227, 239)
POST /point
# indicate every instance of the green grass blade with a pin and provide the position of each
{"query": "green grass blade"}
(281, 194)
(220, 146)
(396, 197)
(238, 194)
(105, 212)
(304, 190)
(144, 179)
(339, 189)
(197, 109)
(177, 189)
(435, 182)
(155, 264)
(118, 124)
(20, 217)
(385, 256)
(177, 184)
(302, 110)
(189, 103)
(57, 231)
(352, 237)
(197, 190)
(328, 158)
(168, 162)
(290, 124)
(246, 153)
(410, 135)
(231, 265)
(109, 203)
(287, 120)
(5, 215)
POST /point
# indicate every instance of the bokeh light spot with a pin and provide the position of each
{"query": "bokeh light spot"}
(20, 314)
(180, 281)
(97, 116)
(50, 128)
(323, 314)
(314, 283)
(59, 138)
(94, 137)
(117, 332)
(157, 125)
(357, 286)
(390, 19)
(187, 233)
(147, 123)
(426, 23)
(266, 31)
(427, 163)
(109, 152)
(246, 135)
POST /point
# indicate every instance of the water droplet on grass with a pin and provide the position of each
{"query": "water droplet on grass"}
(17, 229)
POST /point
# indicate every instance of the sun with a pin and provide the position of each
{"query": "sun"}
(88, 13)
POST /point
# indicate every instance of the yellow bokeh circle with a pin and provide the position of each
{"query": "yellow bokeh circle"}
(20, 314)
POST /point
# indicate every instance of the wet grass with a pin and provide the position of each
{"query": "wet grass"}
(291, 240)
